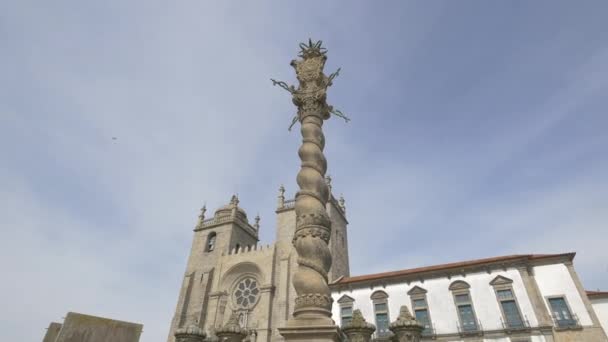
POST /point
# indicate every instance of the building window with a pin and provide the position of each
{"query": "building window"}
(421, 309)
(380, 302)
(561, 313)
(464, 306)
(246, 293)
(421, 312)
(512, 318)
(211, 242)
(509, 308)
(346, 315)
(346, 309)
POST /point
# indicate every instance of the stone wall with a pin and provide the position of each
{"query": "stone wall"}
(84, 328)
(52, 332)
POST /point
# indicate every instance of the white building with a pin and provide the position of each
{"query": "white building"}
(504, 299)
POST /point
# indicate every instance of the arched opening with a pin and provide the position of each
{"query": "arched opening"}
(211, 242)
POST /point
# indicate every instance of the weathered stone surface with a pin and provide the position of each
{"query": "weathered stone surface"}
(191, 333)
(84, 328)
(358, 330)
(231, 331)
(52, 332)
(406, 328)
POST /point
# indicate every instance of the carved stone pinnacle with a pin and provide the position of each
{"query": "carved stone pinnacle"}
(190, 333)
(358, 330)
(406, 328)
(231, 331)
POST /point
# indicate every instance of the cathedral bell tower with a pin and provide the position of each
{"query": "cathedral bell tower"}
(228, 230)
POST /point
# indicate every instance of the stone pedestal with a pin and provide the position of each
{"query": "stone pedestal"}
(358, 330)
(310, 331)
(189, 334)
(406, 328)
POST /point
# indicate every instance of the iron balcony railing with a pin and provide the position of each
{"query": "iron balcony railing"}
(429, 332)
(470, 328)
(516, 324)
(566, 323)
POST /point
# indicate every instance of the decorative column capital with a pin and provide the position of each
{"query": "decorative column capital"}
(358, 330)
(191, 333)
(406, 328)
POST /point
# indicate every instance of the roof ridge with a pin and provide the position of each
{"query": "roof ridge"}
(436, 267)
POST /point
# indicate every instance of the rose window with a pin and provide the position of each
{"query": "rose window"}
(246, 293)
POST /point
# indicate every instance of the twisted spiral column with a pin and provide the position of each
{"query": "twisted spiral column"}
(313, 226)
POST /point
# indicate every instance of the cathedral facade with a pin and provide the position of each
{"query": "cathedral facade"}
(516, 298)
(229, 272)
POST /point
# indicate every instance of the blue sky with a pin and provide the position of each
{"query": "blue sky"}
(478, 129)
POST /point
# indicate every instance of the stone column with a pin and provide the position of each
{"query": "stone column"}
(312, 311)
(406, 328)
(358, 330)
(191, 333)
(231, 331)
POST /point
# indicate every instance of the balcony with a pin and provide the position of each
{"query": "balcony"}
(562, 323)
(383, 335)
(470, 329)
(429, 333)
(515, 325)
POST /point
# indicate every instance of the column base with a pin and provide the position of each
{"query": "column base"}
(313, 330)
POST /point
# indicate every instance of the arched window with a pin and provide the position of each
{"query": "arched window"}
(211, 242)
(380, 301)
(503, 287)
(421, 308)
(464, 306)
(346, 309)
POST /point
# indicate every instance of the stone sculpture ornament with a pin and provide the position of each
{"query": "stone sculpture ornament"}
(313, 226)
(358, 330)
(406, 328)
(231, 331)
(313, 83)
(190, 333)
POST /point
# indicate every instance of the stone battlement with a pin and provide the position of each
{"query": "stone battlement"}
(251, 250)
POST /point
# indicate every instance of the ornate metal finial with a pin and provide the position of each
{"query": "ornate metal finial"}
(406, 327)
(281, 198)
(358, 329)
(256, 225)
(342, 204)
(313, 83)
(312, 49)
